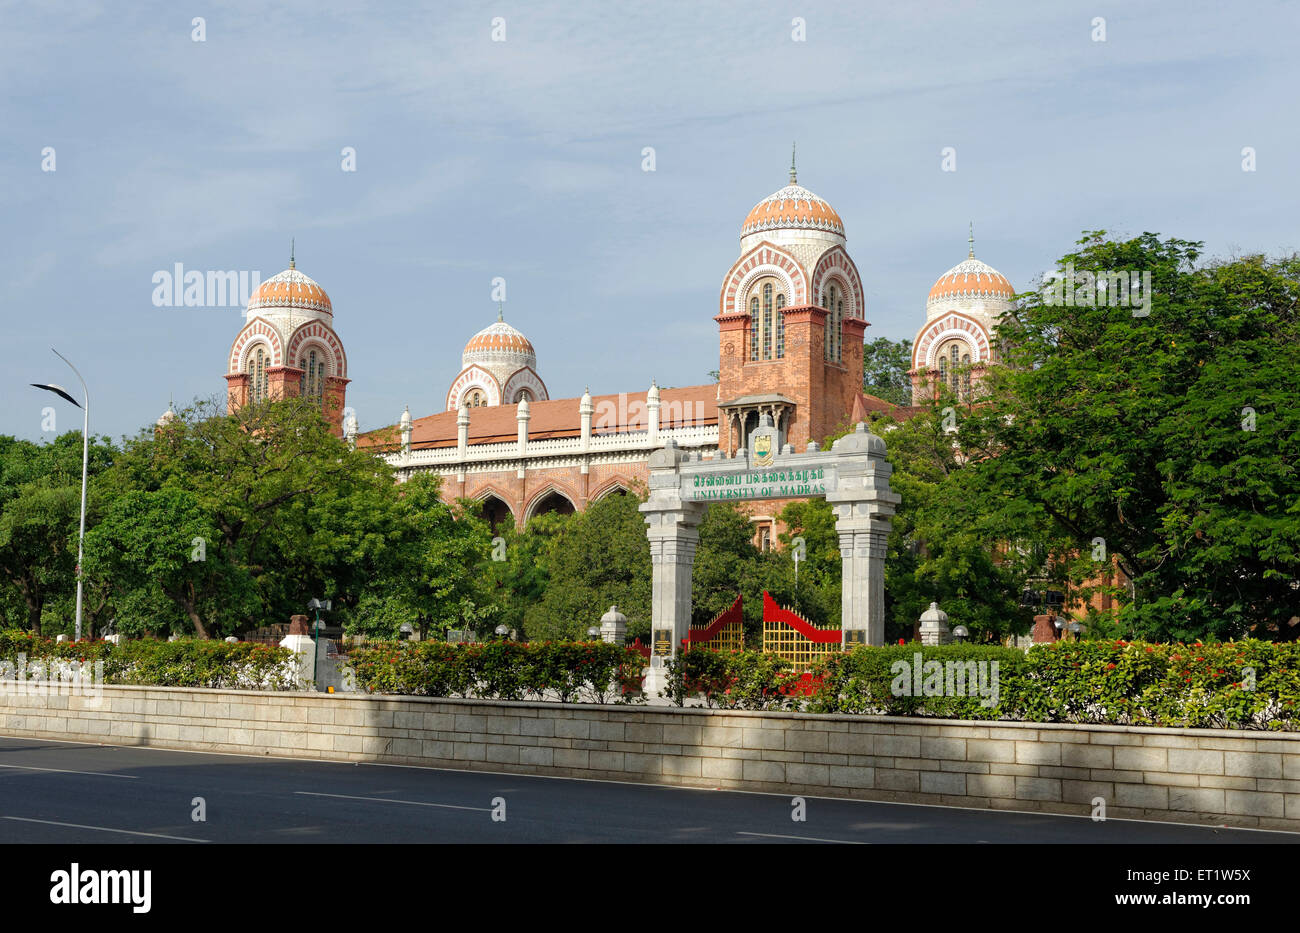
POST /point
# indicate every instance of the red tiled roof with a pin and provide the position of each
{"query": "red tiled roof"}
(690, 405)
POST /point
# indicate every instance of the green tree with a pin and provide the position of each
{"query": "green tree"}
(601, 557)
(1168, 440)
(885, 364)
(520, 569)
(151, 547)
(293, 513)
(40, 509)
(435, 566)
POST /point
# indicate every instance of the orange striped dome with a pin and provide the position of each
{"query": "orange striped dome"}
(500, 336)
(971, 279)
(501, 350)
(291, 289)
(794, 207)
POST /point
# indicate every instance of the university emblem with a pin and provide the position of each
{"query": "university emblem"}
(763, 450)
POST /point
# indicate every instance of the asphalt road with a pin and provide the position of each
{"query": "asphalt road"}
(61, 792)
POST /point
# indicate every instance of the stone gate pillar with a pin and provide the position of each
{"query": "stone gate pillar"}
(863, 504)
(674, 535)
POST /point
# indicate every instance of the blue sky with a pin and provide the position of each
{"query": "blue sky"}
(523, 159)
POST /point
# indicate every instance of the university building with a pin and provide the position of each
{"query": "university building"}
(791, 317)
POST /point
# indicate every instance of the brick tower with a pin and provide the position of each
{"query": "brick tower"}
(790, 323)
(288, 348)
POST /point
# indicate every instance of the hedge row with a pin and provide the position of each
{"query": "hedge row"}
(1246, 685)
(151, 663)
(502, 670)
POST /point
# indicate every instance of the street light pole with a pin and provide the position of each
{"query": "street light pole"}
(85, 462)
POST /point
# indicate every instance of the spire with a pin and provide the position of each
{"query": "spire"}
(291, 263)
(794, 178)
(971, 240)
(500, 312)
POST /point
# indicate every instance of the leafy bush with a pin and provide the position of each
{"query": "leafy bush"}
(1232, 685)
(145, 662)
(733, 679)
(502, 670)
(900, 680)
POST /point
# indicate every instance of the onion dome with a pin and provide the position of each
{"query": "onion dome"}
(793, 207)
(291, 289)
(971, 280)
(166, 417)
(501, 350)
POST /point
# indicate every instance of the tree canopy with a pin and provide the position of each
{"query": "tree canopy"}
(1165, 437)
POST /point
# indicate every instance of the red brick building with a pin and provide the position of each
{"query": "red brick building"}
(791, 319)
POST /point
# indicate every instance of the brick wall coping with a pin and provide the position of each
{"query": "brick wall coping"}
(1262, 734)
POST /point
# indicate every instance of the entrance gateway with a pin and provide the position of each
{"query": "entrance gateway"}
(853, 476)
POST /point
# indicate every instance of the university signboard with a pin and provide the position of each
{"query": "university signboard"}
(787, 482)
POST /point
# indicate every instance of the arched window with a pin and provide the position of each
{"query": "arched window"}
(955, 382)
(833, 302)
(257, 374)
(943, 370)
(312, 382)
(780, 327)
(766, 325)
(767, 321)
(839, 329)
(475, 398)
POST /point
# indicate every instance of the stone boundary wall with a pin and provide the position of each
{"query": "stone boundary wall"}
(1206, 776)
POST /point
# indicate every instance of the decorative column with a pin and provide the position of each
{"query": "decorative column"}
(405, 427)
(652, 413)
(462, 441)
(673, 530)
(863, 504)
(521, 417)
(585, 409)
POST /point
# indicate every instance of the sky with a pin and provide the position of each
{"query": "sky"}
(524, 159)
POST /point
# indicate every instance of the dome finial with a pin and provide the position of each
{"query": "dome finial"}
(794, 178)
(291, 262)
(971, 240)
(500, 311)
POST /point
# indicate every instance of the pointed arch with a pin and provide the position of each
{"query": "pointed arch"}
(540, 497)
(614, 484)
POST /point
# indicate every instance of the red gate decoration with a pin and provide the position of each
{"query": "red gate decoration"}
(789, 635)
(725, 633)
